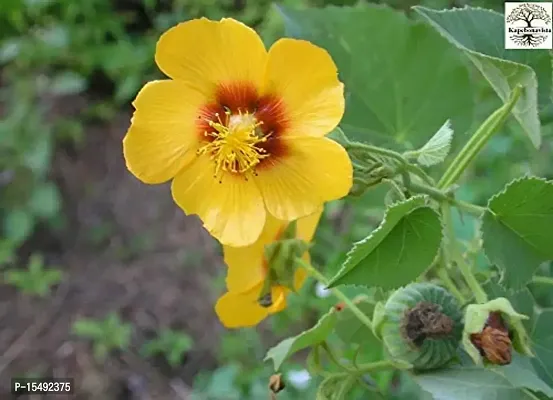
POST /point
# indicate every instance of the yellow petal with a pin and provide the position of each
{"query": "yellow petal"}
(162, 137)
(245, 267)
(231, 208)
(237, 310)
(311, 172)
(306, 79)
(307, 226)
(208, 53)
(246, 264)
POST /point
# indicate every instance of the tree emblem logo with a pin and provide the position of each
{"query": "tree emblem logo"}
(528, 25)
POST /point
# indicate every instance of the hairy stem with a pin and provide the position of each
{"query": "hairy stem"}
(478, 141)
(337, 293)
(334, 358)
(441, 196)
(545, 280)
(449, 284)
(374, 150)
(454, 255)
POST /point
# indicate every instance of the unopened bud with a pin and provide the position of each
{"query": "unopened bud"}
(276, 384)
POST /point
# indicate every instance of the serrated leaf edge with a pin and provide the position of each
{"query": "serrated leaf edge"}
(526, 177)
(345, 266)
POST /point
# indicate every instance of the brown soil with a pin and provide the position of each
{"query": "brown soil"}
(126, 248)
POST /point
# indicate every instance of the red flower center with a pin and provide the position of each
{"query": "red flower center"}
(241, 129)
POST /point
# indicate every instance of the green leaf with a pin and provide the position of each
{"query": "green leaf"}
(378, 52)
(45, 200)
(18, 225)
(87, 328)
(351, 330)
(398, 251)
(480, 34)
(477, 383)
(437, 148)
(542, 344)
(516, 229)
(310, 337)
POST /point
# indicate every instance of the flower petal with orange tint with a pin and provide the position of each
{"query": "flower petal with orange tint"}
(312, 172)
(305, 77)
(209, 53)
(162, 137)
(237, 310)
(231, 208)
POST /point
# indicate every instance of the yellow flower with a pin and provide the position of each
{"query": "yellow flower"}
(247, 270)
(239, 129)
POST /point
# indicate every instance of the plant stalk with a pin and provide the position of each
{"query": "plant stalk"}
(453, 254)
(478, 141)
(545, 280)
(337, 293)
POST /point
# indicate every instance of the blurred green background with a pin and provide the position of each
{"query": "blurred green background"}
(103, 278)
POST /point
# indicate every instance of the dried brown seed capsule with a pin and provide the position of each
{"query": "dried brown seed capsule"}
(494, 342)
(422, 325)
(276, 384)
(425, 321)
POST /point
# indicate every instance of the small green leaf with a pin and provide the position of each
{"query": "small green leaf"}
(45, 200)
(18, 225)
(398, 251)
(542, 344)
(351, 330)
(480, 34)
(437, 148)
(310, 337)
(87, 328)
(516, 229)
(478, 383)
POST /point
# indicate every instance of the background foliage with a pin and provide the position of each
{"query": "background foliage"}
(103, 50)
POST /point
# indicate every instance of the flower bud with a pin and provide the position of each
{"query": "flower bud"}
(276, 384)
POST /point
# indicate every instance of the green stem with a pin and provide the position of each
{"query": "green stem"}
(449, 284)
(376, 150)
(455, 255)
(444, 197)
(332, 356)
(545, 280)
(379, 366)
(368, 149)
(478, 140)
(336, 292)
(396, 188)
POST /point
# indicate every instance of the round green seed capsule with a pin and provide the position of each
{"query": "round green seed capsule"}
(422, 325)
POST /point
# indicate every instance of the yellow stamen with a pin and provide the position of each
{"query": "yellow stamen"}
(235, 145)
